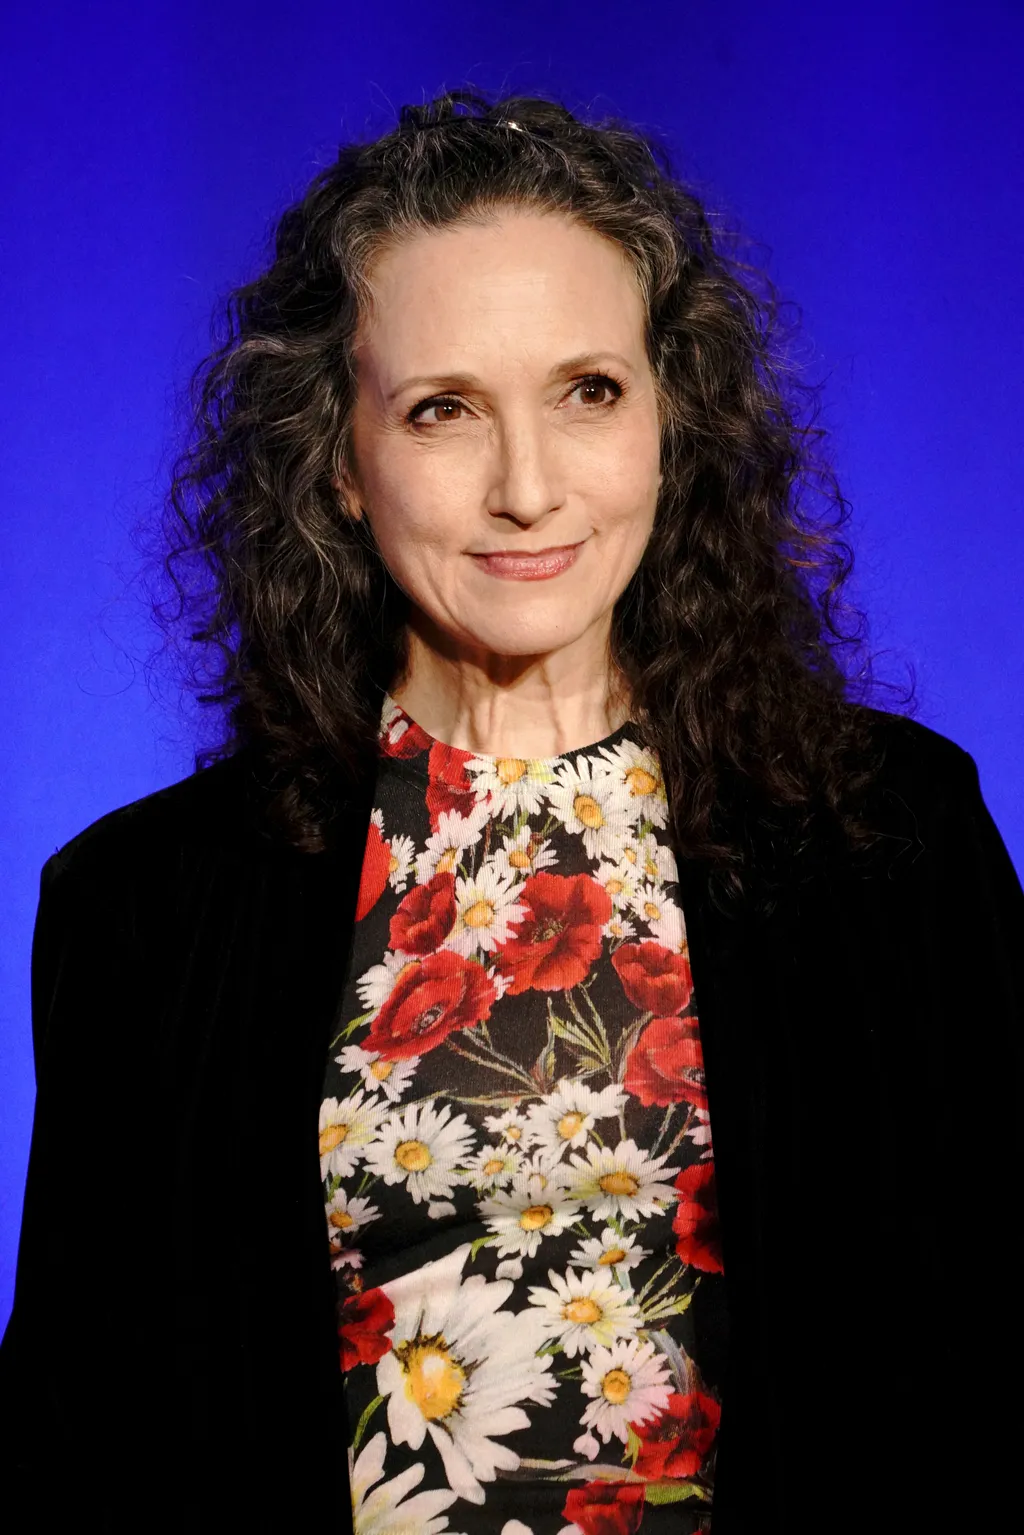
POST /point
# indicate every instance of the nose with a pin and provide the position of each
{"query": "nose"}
(526, 481)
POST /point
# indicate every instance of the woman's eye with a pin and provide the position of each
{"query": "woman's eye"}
(418, 412)
(598, 383)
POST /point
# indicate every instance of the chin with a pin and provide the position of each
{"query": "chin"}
(527, 639)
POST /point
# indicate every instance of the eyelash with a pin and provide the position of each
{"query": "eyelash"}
(450, 399)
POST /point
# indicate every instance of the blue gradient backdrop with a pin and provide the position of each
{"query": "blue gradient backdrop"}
(874, 149)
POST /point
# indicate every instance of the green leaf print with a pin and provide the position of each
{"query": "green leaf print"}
(673, 1492)
(361, 1426)
(350, 1028)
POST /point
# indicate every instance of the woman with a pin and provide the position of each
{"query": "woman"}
(620, 966)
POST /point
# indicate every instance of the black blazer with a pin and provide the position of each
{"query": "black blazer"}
(171, 1362)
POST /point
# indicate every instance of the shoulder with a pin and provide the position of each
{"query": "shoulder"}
(215, 810)
(923, 804)
(914, 760)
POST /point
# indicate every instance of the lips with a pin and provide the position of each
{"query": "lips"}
(528, 567)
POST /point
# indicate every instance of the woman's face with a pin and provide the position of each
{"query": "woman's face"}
(506, 410)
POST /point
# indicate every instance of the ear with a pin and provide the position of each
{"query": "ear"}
(348, 494)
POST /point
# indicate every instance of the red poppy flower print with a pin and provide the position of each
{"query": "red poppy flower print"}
(450, 786)
(677, 1442)
(559, 939)
(606, 1508)
(425, 916)
(364, 1321)
(376, 867)
(404, 738)
(666, 1065)
(653, 977)
(430, 999)
(695, 1222)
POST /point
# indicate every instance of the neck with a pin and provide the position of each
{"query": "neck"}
(512, 706)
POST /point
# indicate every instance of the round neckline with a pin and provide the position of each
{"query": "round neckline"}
(403, 740)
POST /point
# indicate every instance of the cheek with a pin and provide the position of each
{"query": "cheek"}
(627, 505)
(417, 529)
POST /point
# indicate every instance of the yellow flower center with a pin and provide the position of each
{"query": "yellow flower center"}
(651, 869)
(588, 811)
(640, 781)
(616, 929)
(433, 1379)
(613, 1255)
(413, 1156)
(520, 859)
(583, 1311)
(616, 1385)
(536, 1217)
(510, 769)
(332, 1136)
(341, 1219)
(480, 914)
(447, 861)
(619, 1182)
(382, 1070)
(569, 1124)
(493, 1165)
(392, 864)
(651, 912)
(629, 854)
(615, 886)
(513, 1133)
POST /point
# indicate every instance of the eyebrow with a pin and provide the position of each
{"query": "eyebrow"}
(470, 381)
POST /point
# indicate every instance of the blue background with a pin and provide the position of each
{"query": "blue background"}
(876, 153)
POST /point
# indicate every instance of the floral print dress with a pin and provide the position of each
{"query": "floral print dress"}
(516, 1155)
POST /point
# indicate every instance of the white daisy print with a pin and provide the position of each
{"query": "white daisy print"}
(459, 1369)
(515, 784)
(609, 1251)
(534, 1207)
(376, 984)
(387, 1510)
(649, 859)
(663, 917)
(618, 928)
(512, 1126)
(700, 1132)
(619, 879)
(421, 1147)
(566, 1117)
(378, 1074)
(444, 849)
(394, 722)
(403, 853)
(624, 1183)
(492, 1167)
(541, 1163)
(347, 1126)
(585, 1311)
(629, 1383)
(486, 912)
(346, 1215)
(638, 771)
(522, 855)
(591, 806)
(347, 1257)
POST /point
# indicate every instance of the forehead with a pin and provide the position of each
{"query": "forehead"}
(500, 281)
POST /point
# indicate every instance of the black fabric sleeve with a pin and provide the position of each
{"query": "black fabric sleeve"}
(78, 1310)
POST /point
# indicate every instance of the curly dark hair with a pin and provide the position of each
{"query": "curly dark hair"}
(733, 632)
